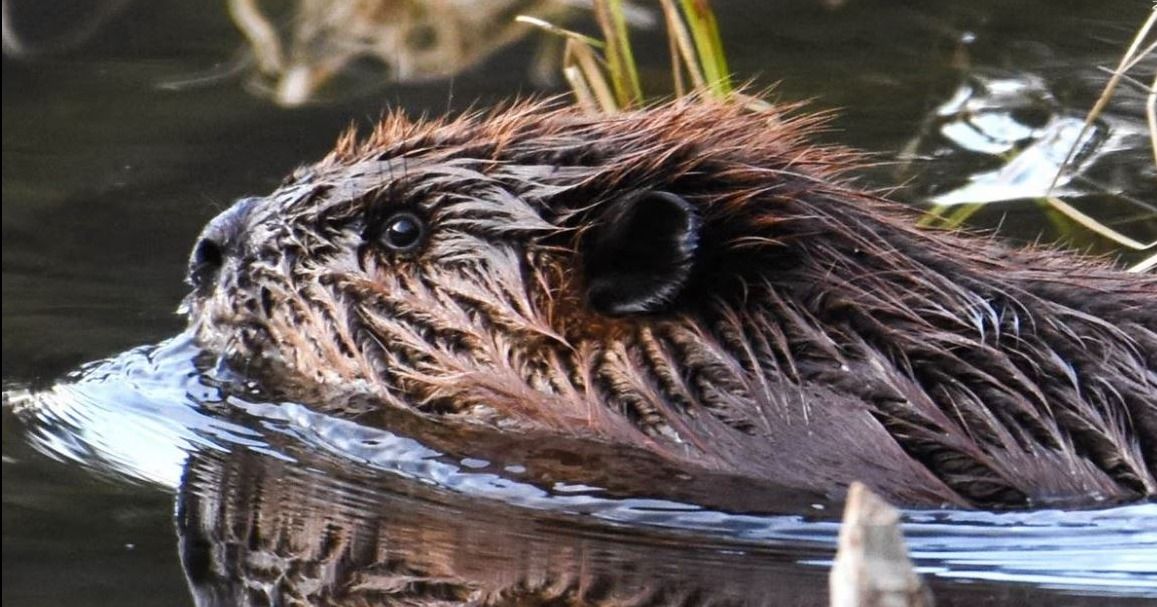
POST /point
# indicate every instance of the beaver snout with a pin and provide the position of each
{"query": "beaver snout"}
(220, 240)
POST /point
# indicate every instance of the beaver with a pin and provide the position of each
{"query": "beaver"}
(695, 278)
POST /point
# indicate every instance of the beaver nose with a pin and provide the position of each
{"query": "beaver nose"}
(220, 240)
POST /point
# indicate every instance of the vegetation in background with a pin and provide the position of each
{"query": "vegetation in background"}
(1058, 209)
(604, 78)
(603, 73)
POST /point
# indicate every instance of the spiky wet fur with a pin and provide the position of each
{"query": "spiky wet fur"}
(822, 339)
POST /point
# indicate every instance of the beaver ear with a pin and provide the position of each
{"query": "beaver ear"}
(639, 257)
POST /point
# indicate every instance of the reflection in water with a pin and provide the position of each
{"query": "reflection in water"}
(278, 504)
(258, 529)
(416, 40)
(1004, 136)
(1017, 120)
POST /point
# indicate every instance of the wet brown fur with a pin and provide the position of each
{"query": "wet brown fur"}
(821, 339)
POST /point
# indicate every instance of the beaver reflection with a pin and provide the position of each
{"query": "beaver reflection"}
(257, 530)
(697, 280)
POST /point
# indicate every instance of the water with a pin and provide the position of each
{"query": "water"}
(289, 475)
(118, 146)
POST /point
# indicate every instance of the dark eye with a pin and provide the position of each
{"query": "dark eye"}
(402, 232)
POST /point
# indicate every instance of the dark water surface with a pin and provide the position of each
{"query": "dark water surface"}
(119, 145)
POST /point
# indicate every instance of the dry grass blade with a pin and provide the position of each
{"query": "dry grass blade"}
(1145, 265)
(1132, 57)
(1151, 113)
(1141, 55)
(708, 43)
(559, 31)
(949, 216)
(683, 53)
(620, 59)
(610, 82)
(1097, 227)
(1126, 60)
(582, 68)
(583, 71)
(584, 97)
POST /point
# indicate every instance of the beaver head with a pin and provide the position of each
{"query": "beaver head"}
(694, 278)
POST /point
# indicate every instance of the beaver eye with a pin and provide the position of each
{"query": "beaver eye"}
(402, 232)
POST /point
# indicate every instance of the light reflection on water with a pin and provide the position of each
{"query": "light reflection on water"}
(146, 415)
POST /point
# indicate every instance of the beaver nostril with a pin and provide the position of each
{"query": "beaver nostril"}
(267, 302)
(220, 239)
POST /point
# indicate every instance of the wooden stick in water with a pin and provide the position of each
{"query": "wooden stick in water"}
(872, 568)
